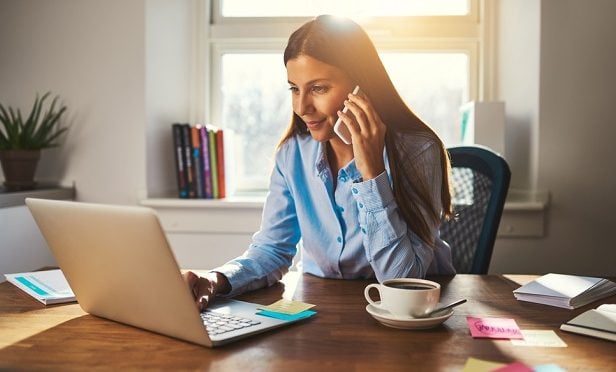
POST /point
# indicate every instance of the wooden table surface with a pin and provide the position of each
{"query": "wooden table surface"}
(342, 336)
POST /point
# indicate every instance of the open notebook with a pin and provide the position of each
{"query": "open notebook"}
(118, 263)
(599, 322)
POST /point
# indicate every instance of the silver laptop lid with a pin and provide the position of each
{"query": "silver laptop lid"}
(119, 265)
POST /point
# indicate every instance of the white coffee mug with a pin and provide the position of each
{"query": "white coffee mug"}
(406, 297)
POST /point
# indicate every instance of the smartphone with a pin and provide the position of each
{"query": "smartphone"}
(340, 127)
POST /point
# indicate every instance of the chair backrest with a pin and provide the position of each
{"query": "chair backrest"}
(480, 179)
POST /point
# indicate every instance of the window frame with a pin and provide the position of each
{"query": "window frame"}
(217, 35)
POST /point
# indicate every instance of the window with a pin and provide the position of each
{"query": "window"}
(299, 8)
(429, 47)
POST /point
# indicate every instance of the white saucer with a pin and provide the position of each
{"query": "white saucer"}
(388, 319)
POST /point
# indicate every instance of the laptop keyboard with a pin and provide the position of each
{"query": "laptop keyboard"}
(217, 323)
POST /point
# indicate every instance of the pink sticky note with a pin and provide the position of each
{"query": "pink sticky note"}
(494, 328)
(514, 367)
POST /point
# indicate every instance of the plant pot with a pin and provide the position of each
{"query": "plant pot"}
(19, 167)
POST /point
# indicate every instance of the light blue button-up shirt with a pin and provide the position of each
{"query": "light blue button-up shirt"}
(351, 231)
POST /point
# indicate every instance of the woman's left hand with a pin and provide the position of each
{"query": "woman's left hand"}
(368, 135)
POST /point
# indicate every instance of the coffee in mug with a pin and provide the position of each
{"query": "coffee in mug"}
(406, 297)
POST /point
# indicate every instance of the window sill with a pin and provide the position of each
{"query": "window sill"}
(526, 200)
(16, 198)
(523, 215)
(517, 200)
(242, 202)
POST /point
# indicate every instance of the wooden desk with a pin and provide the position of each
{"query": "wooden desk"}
(342, 337)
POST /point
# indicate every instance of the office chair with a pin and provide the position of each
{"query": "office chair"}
(480, 179)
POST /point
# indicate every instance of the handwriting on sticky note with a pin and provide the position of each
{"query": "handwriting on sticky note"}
(287, 306)
(494, 328)
(539, 338)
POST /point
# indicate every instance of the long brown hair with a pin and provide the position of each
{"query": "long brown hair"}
(342, 43)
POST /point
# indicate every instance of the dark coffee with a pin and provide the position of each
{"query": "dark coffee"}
(412, 286)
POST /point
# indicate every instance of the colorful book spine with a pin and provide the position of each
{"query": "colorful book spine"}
(196, 158)
(180, 162)
(213, 160)
(220, 151)
(205, 162)
(188, 170)
(199, 153)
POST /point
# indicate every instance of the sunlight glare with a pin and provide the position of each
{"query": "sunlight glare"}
(356, 9)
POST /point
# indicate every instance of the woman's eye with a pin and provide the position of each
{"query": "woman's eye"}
(319, 89)
(293, 90)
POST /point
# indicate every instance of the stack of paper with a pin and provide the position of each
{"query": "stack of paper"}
(49, 287)
(566, 291)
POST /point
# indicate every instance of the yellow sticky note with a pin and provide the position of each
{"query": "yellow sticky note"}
(539, 338)
(478, 365)
(287, 306)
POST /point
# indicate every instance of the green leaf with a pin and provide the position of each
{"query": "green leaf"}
(41, 128)
(32, 121)
(44, 135)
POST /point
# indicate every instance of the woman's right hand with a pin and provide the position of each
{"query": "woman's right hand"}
(368, 133)
(205, 287)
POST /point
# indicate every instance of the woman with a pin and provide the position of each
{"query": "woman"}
(365, 210)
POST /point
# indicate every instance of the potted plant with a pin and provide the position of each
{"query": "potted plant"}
(21, 141)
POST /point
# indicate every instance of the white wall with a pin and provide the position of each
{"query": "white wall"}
(92, 54)
(170, 85)
(22, 247)
(563, 99)
(517, 83)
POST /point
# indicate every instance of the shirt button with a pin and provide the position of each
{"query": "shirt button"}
(355, 191)
(339, 239)
(341, 209)
(363, 230)
(361, 205)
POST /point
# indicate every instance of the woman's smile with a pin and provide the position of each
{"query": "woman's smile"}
(315, 124)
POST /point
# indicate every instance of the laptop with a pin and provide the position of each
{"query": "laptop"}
(118, 263)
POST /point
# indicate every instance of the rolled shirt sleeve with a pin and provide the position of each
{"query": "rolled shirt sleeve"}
(392, 249)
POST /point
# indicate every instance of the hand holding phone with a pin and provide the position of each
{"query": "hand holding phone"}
(340, 127)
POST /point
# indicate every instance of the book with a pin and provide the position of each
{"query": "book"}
(48, 287)
(566, 291)
(599, 322)
(220, 155)
(213, 159)
(188, 169)
(180, 162)
(205, 162)
(196, 160)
